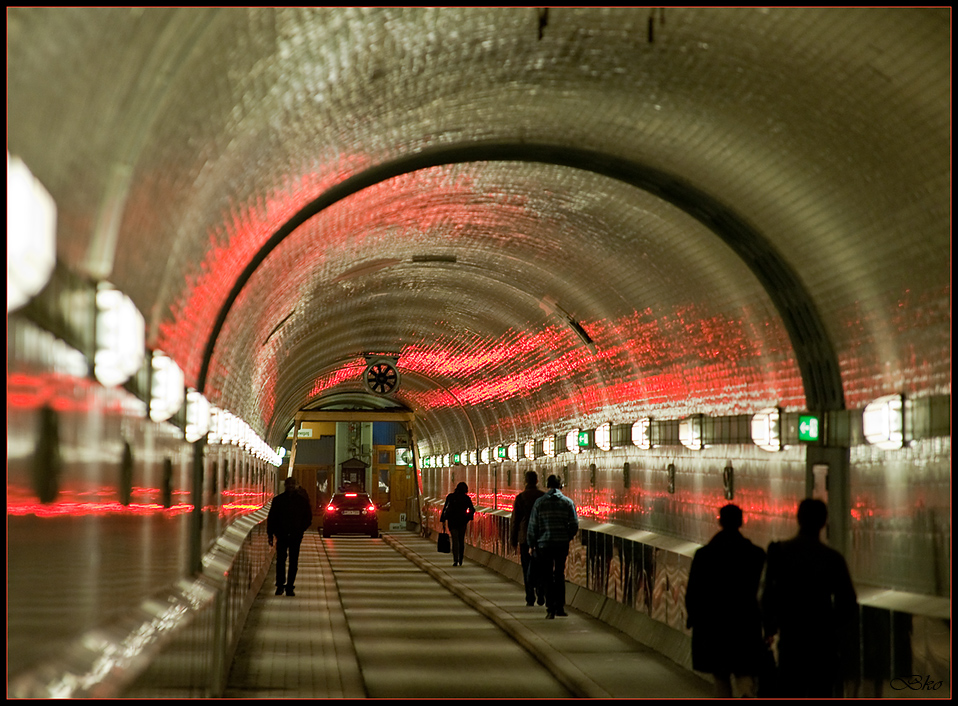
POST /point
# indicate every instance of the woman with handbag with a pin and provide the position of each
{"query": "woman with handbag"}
(457, 513)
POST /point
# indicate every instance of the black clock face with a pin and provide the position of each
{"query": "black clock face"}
(381, 378)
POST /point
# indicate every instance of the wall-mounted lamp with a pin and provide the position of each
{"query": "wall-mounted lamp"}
(883, 422)
(642, 433)
(31, 234)
(485, 456)
(549, 446)
(603, 436)
(198, 416)
(119, 337)
(572, 441)
(529, 450)
(690, 432)
(167, 390)
(514, 452)
(767, 429)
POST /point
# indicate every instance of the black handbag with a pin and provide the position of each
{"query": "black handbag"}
(443, 545)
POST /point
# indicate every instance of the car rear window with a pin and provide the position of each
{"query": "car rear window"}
(351, 501)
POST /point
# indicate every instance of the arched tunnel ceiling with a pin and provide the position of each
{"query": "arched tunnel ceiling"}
(179, 143)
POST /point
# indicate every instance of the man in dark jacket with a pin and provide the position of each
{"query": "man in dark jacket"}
(290, 515)
(809, 601)
(521, 509)
(553, 523)
(723, 610)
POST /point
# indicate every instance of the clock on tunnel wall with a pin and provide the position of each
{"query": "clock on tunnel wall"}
(381, 376)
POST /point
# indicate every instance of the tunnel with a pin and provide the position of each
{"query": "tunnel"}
(676, 257)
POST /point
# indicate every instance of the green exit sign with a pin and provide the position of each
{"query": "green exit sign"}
(809, 427)
(501, 452)
(584, 439)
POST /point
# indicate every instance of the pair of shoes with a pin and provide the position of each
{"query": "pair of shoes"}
(550, 615)
(541, 600)
(279, 590)
(289, 592)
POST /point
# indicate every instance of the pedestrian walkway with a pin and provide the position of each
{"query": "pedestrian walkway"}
(301, 647)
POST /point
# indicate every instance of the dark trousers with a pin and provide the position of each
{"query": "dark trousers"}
(551, 563)
(531, 576)
(287, 546)
(457, 537)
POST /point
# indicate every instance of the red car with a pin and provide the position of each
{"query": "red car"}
(350, 513)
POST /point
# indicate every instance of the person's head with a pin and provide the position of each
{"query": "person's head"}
(730, 517)
(532, 478)
(553, 482)
(812, 516)
(290, 484)
(462, 488)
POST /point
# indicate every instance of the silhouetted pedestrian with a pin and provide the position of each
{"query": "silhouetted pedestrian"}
(809, 602)
(723, 609)
(552, 525)
(458, 513)
(521, 509)
(289, 517)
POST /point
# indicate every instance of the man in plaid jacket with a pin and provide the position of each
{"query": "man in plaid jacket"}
(552, 525)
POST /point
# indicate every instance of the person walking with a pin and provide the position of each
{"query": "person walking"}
(521, 509)
(723, 609)
(809, 601)
(457, 513)
(552, 525)
(290, 515)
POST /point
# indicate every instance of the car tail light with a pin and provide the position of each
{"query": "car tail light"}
(330, 508)
(371, 508)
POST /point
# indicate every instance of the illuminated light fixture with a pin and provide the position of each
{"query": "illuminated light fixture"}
(530, 449)
(501, 453)
(445, 461)
(167, 390)
(549, 446)
(473, 457)
(119, 337)
(883, 422)
(603, 436)
(281, 452)
(31, 234)
(215, 435)
(572, 441)
(642, 433)
(809, 428)
(767, 429)
(198, 417)
(514, 452)
(485, 455)
(690, 432)
(229, 429)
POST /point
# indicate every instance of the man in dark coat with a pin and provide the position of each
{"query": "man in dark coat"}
(521, 509)
(809, 601)
(723, 608)
(458, 512)
(290, 515)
